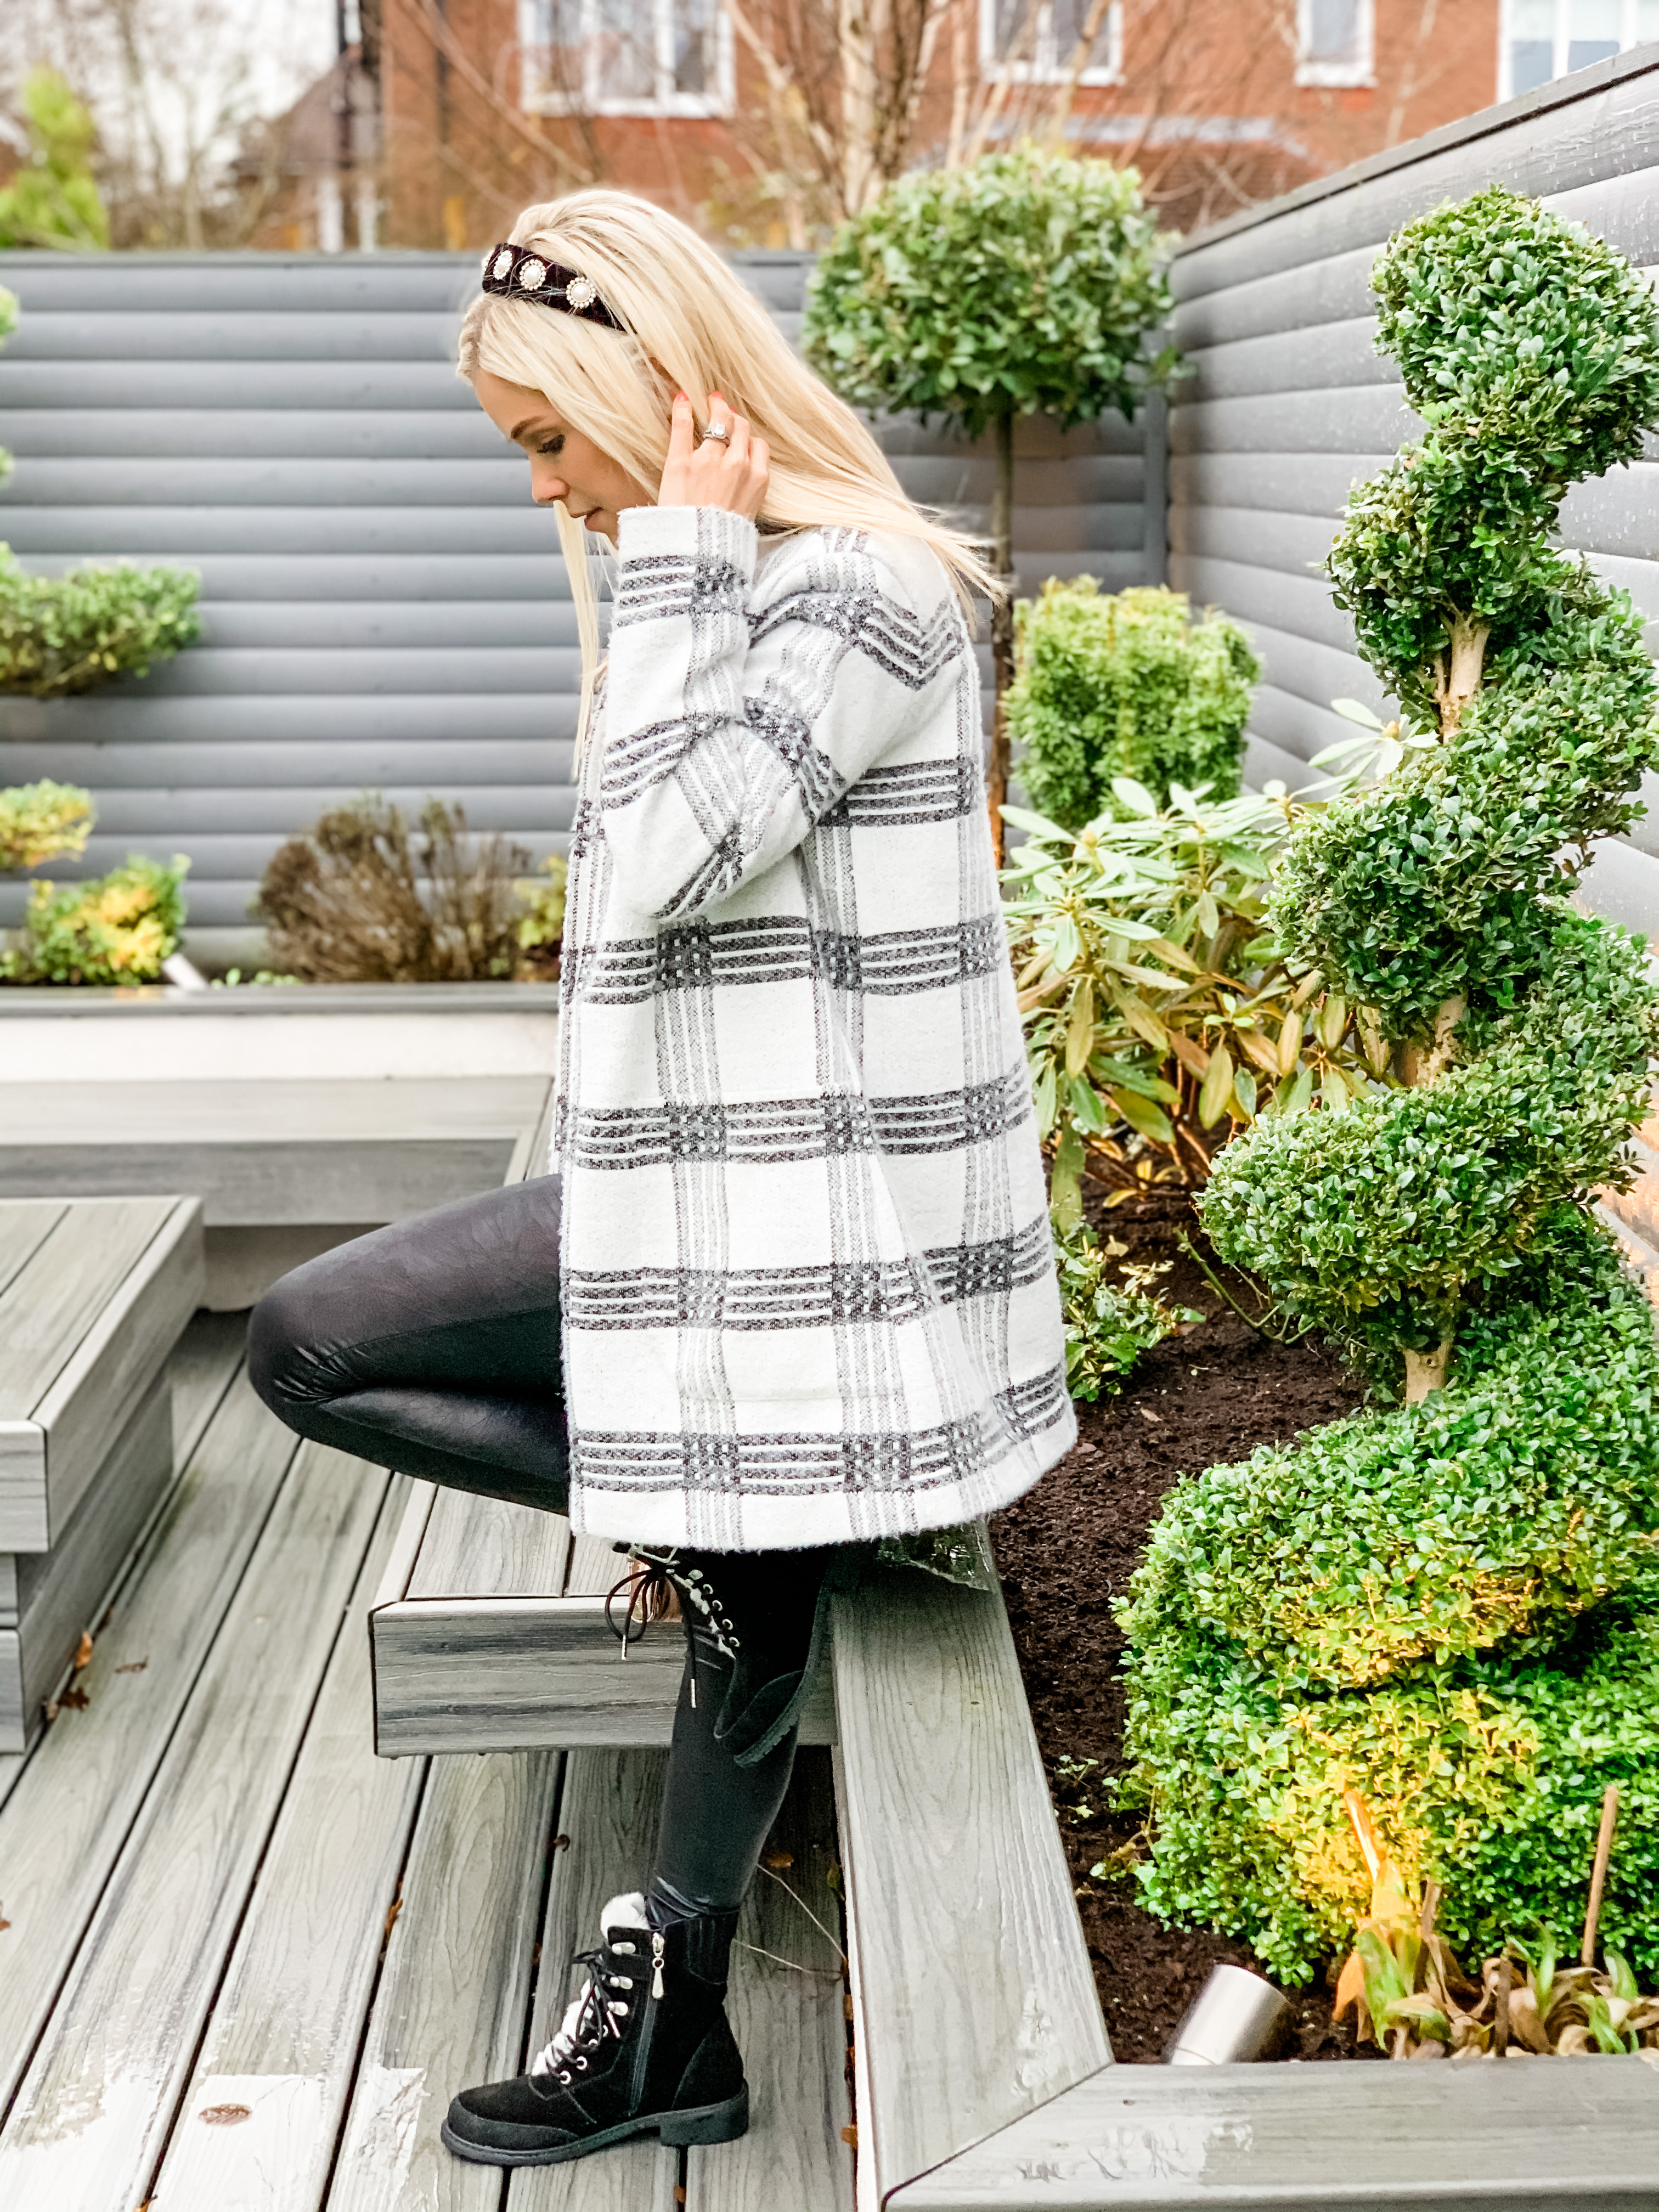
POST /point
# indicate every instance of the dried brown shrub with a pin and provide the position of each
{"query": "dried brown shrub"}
(362, 898)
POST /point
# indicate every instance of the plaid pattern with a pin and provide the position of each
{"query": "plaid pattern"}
(809, 1294)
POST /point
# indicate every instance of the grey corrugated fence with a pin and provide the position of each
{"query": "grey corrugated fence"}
(1289, 401)
(382, 607)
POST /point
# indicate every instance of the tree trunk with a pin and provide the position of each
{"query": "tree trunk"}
(1002, 621)
(1425, 1372)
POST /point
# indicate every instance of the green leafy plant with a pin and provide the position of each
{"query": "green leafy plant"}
(61, 635)
(1160, 1012)
(1447, 1600)
(8, 324)
(362, 898)
(1023, 283)
(541, 930)
(1125, 684)
(118, 929)
(41, 822)
(1109, 1324)
(52, 200)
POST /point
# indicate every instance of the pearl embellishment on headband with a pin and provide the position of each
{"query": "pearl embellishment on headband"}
(515, 272)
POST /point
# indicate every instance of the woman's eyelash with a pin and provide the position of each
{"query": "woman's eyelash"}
(552, 445)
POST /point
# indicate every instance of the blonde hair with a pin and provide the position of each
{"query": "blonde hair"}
(690, 325)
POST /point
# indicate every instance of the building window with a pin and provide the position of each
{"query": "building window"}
(625, 58)
(1334, 42)
(1545, 38)
(1037, 40)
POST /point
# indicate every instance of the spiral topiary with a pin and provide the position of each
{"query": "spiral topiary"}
(1427, 1600)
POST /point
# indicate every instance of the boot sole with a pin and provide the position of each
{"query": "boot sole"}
(698, 2124)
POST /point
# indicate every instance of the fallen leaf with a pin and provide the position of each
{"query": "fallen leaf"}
(679, 2193)
(1148, 1415)
(74, 1696)
(83, 1650)
(391, 1919)
(133, 1666)
(226, 2116)
(849, 2135)
(847, 2004)
(778, 1860)
(562, 1843)
(4, 1923)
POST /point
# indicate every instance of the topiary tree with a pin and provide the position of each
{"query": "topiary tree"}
(1025, 282)
(53, 200)
(1125, 684)
(1446, 1600)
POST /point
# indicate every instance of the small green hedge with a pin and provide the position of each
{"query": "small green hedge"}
(1125, 684)
(118, 929)
(61, 635)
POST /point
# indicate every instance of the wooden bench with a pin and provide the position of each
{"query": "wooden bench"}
(488, 1633)
(95, 1293)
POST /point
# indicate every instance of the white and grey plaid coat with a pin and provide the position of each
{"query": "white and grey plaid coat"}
(809, 1296)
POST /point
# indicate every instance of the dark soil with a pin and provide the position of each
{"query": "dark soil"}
(1067, 1551)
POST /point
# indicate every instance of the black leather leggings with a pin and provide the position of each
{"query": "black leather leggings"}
(433, 1347)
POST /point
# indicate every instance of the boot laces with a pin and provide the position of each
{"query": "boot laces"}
(648, 1597)
(589, 2018)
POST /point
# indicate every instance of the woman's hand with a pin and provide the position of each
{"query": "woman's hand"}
(729, 472)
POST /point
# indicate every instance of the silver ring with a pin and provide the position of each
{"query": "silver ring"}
(720, 431)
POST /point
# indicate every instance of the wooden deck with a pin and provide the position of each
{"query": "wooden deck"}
(244, 1963)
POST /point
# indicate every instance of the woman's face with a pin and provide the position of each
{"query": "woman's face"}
(563, 465)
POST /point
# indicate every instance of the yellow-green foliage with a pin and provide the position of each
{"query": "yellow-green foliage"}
(1126, 684)
(43, 821)
(60, 634)
(117, 930)
(542, 929)
(52, 199)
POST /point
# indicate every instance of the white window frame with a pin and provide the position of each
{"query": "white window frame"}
(542, 97)
(1361, 71)
(1046, 64)
(1629, 35)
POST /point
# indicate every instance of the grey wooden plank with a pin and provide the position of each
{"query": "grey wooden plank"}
(70, 1809)
(210, 386)
(1328, 288)
(1265, 598)
(1294, 544)
(246, 334)
(92, 2115)
(400, 1560)
(48, 1306)
(120, 1354)
(523, 579)
(25, 1225)
(1363, 418)
(496, 478)
(484, 1545)
(172, 530)
(1320, 357)
(1615, 513)
(973, 1988)
(284, 2034)
(137, 435)
(1577, 2134)
(1623, 884)
(275, 813)
(300, 284)
(200, 1371)
(63, 1592)
(454, 1992)
(341, 671)
(140, 718)
(785, 2011)
(1304, 483)
(609, 1814)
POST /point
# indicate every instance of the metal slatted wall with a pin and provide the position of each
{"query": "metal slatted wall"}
(382, 608)
(1289, 402)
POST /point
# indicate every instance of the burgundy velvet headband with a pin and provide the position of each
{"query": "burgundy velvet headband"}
(517, 272)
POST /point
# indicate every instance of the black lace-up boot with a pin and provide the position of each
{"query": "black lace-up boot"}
(645, 2050)
(764, 1613)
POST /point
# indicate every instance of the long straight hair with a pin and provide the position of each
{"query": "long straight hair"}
(691, 325)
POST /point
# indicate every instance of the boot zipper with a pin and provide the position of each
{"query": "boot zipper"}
(642, 2050)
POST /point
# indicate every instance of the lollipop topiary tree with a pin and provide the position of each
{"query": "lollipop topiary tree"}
(1023, 283)
(1447, 1602)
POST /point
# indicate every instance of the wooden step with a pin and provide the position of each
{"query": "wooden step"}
(490, 1634)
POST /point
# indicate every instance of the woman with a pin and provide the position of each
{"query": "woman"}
(789, 1288)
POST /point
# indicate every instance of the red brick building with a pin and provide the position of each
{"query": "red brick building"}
(739, 115)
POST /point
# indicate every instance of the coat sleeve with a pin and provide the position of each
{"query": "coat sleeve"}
(734, 720)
